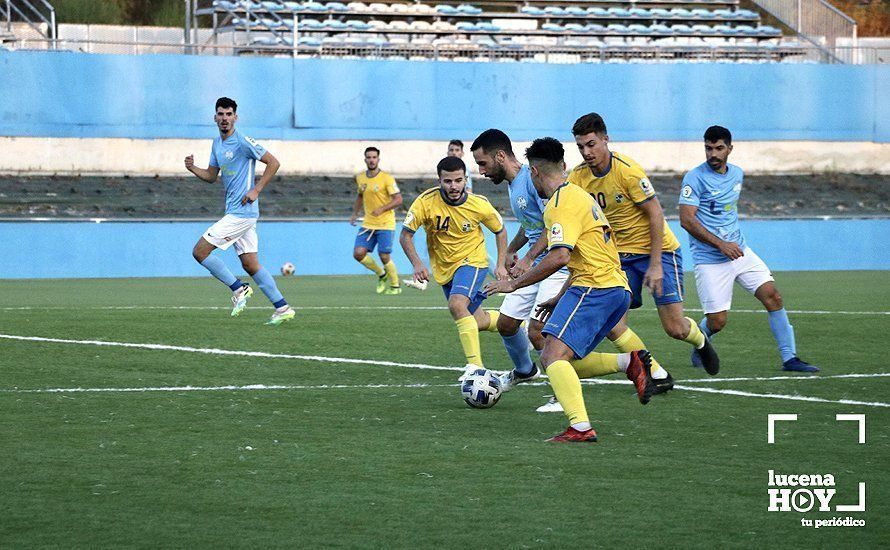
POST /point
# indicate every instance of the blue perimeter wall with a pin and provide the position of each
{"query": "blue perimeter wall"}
(65, 94)
(161, 249)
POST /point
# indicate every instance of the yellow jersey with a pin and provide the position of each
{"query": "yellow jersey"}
(377, 192)
(454, 235)
(575, 221)
(619, 193)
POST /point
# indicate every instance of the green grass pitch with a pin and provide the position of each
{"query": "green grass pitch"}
(385, 453)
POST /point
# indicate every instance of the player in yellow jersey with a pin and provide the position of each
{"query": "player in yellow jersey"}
(379, 194)
(649, 251)
(593, 300)
(453, 220)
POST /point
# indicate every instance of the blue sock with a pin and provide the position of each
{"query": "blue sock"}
(703, 325)
(517, 349)
(784, 333)
(267, 284)
(218, 269)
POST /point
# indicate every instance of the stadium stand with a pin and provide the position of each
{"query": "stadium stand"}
(505, 30)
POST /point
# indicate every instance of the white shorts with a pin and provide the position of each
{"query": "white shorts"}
(714, 281)
(520, 304)
(234, 230)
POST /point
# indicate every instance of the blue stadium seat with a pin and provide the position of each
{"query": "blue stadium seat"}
(487, 27)
(747, 14)
(272, 6)
(226, 5)
(746, 30)
(681, 13)
(468, 9)
(575, 10)
(358, 25)
(337, 6)
(295, 7)
(598, 12)
(308, 41)
(310, 24)
(659, 13)
(617, 28)
(681, 29)
(466, 26)
(638, 12)
(636, 28)
(445, 9)
(767, 30)
(702, 14)
(335, 24)
(532, 10)
(594, 27)
(724, 14)
(618, 12)
(575, 27)
(270, 23)
(659, 28)
(552, 27)
(701, 29)
(554, 11)
(724, 30)
(315, 6)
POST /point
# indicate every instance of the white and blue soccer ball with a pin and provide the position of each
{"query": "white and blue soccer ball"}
(288, 268)
(481, 389)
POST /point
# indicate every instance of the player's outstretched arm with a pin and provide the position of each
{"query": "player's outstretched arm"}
(406, 239)
(690, 223)
(356, 209)
(209, 174)
(555, 260)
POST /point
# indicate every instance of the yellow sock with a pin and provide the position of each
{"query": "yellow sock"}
(567, 388)
(493, 324)
(695, 337)
(369, 262)
(468, 332)
(392, 273)
(629, 341)
(596, 364)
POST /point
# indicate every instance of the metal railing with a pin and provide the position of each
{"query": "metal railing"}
(815, 20)
(37, 14)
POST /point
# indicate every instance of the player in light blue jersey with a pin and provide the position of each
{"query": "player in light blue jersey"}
(234, 156)
(493, 152)
(709, 213)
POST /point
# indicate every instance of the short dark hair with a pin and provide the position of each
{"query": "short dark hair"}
(591, 123)
(450, 164)
(372, 148)
(226, 103)
(545, 149)
(457, 142)
(492, 141)
(716, 133)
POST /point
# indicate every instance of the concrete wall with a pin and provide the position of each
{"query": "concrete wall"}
(83, 249)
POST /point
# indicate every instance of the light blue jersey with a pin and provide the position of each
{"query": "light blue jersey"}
(236, 158)
(528, 207)
(717, 197)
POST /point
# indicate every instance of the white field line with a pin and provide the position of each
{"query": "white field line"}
(214, 351)
(249, 387)
(390, 308)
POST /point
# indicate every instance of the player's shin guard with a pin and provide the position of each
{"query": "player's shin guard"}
(468, 332)
(567, 388)
(369, 262)
(596, 364)
(218, 269)
(695, 336)
(629, 341)
(517, 349)
(267, 284)
(392, 273)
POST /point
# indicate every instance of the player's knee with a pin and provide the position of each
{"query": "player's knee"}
(385, 258)
(536, 337)
(458, 308)
(677, 329)
(716, 324)
(508, 326)
(198, 254)
(359, 254)
(773, 301)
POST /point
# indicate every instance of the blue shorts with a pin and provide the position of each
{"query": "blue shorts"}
(370, 238)
(635, 266)
(584, 316)
(468, 281)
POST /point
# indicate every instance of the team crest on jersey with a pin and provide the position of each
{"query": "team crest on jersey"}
(619, 197)
(687, 191)
(230, 155)
(737, 187)
(522, 203)
(466, 227)
(409, 219)
(376, 188)
(645, 185)
(556, 234)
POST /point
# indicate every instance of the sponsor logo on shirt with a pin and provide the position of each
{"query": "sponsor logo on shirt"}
(556, 235)
(409, 219)
(645, 185)
(687, 191)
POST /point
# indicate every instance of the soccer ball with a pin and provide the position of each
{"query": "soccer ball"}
(288, 268)
(481, 389)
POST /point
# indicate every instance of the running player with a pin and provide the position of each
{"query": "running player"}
(493, 153)
(379, 194)
(453, 220)
(590, 304)
(235, 155)
(649, 251)
(709, 213)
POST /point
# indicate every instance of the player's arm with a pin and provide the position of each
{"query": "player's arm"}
(394, 202)
(272, 166)
(500, 271)
(654, 277)
(516, 243)
(690, 223)
(406, 239)
(526, 262)
(556, 259)
(544, 309)
(209, 174)
(356, 208)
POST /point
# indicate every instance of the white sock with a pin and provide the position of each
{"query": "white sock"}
(282, 309)
(582, 426)
(659, 374)
(623, 361)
